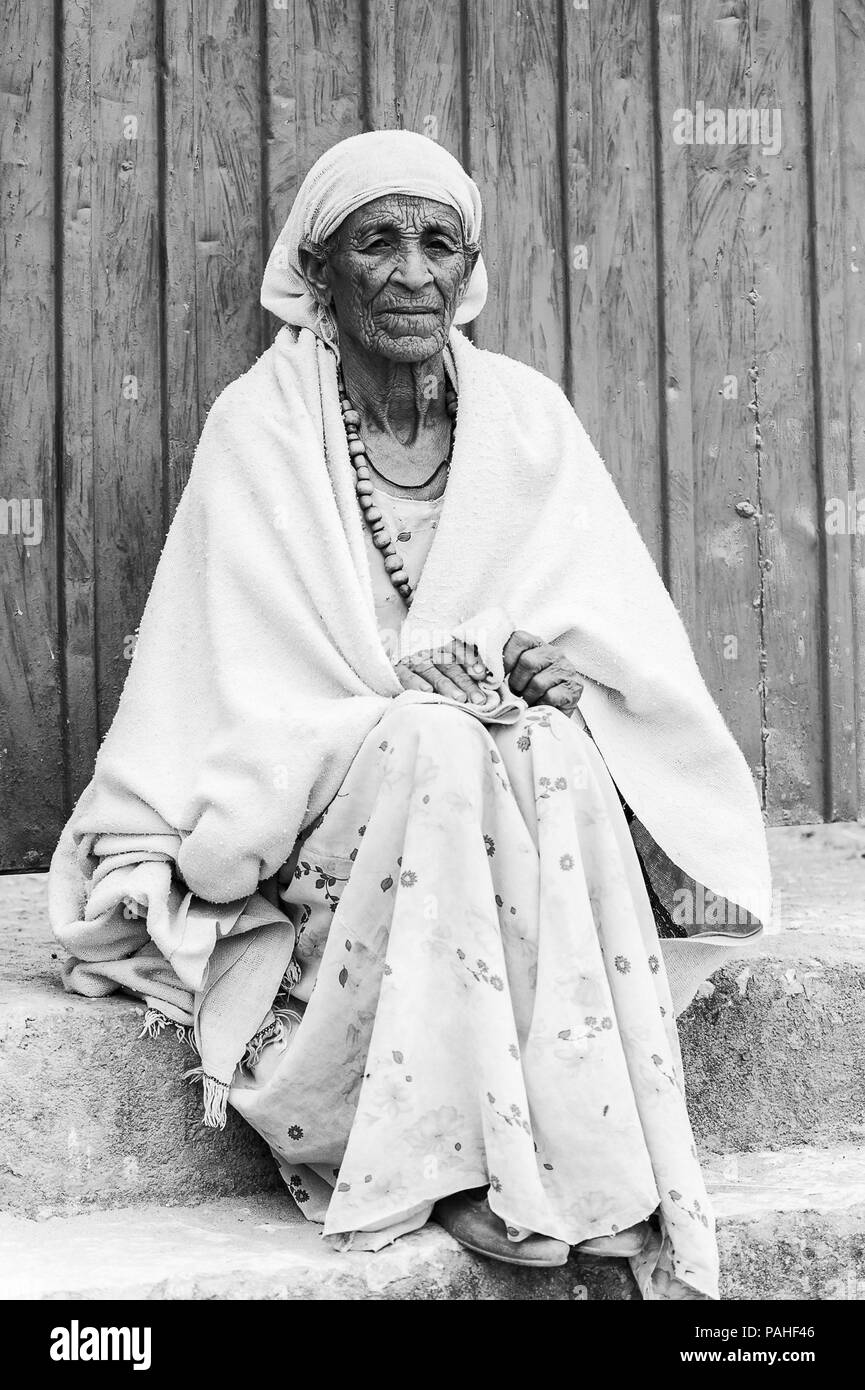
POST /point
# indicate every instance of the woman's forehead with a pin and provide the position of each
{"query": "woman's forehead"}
(404, 211)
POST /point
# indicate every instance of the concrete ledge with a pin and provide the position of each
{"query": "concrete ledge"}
(810, 1244)
(773, 1050)
(791, 1225)
(96, 1117)
(93, 1116)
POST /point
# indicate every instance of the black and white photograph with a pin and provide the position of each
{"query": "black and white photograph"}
(432, 735)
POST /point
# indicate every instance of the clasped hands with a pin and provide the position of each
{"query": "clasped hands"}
(536, 670)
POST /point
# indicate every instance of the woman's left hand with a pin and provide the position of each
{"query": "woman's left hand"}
(541, 673)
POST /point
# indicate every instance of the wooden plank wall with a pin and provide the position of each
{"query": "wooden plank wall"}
(702, 304)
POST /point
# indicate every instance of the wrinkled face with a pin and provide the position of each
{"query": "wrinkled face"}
(395, 273)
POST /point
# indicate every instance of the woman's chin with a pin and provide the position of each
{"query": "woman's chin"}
(409, 347)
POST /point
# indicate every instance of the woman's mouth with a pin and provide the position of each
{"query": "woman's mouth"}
(409, 311)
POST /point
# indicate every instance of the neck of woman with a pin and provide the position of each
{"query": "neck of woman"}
(399, 399)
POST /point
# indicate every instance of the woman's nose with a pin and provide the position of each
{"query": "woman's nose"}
(413, 270)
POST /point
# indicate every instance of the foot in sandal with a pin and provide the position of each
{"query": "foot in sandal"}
(468, 1217)
(617, 1246)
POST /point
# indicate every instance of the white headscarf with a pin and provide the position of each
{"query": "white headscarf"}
(355, 172)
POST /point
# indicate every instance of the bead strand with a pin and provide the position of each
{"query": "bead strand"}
(363, 486)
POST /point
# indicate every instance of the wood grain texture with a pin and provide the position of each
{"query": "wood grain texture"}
(581, 172)
(514, 53)
(834, 474)
(728, 591)
(428, 68)
(312, 96)
(381, 95)
(702, 304)
(79, 570)
(126, 386)
(673, 223)
(777, 223)
(622, 194)
(32, 796)
(850, 48)
(481, 143)
(213, 211)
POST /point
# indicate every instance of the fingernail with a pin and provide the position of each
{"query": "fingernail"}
(478, 699)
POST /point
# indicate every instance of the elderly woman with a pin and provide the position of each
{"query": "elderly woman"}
(415, 799)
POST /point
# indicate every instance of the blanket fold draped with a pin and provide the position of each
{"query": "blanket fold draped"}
(259, 669)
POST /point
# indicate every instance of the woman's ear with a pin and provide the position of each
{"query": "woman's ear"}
(472, 255)
(315, 273)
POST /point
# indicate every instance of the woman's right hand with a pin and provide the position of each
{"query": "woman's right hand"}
(455, 671)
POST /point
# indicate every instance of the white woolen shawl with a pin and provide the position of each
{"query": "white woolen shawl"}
(259, 669)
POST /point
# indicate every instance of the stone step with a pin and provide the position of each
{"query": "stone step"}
(92, 1117)
(791, 1226)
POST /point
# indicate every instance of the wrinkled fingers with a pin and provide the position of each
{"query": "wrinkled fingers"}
(444, 681)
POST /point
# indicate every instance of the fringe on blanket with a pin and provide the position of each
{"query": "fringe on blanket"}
(215, 1095)
(155, 1021)
(277, 1031)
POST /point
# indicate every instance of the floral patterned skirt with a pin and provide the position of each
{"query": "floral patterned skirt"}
(482, 1001)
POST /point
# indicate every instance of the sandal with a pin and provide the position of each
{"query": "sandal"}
(468, 1217)
(620, 1245)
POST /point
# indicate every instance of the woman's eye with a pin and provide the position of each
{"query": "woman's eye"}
(379, 244)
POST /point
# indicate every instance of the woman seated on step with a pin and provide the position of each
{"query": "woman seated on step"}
(414, 772)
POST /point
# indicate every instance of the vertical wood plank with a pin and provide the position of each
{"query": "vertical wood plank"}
(31, 710)
(427, 62)
(778, 230)
(513, 55)
(481, 146)
(328, 75)
(79, 575)
(834, 471)
(850, 45)
(721, 272)
(382, 97)
(213, 210)
(674, 305)
(127, 436)
(180, 156)
(313, 97)
(620, 210)
(281, 119)
(581, 212)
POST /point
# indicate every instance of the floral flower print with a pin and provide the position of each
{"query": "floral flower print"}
(390, 1098)
(433, 1134)
(410, 1141)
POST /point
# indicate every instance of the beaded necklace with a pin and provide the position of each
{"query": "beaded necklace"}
(381, 537)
